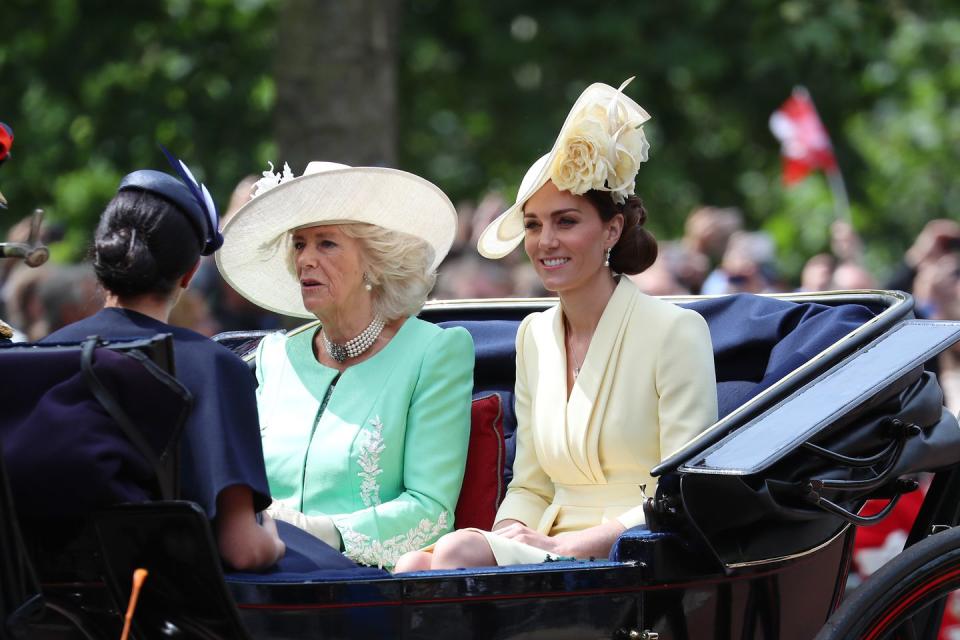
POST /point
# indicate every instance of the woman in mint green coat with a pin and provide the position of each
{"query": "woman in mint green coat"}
(364, 416)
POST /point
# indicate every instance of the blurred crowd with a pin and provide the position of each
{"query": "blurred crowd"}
(716, 255)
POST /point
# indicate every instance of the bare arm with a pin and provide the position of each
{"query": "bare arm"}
(594, 542)
(244, 544)
(503, 524)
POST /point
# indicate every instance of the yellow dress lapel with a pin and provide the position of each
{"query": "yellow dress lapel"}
(591, 389)
(550, 426)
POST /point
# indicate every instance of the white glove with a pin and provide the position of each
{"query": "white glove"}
(319, 526)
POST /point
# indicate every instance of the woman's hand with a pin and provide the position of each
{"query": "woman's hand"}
(594, 542)
(270, 527)
(522, 533)
(244, 544)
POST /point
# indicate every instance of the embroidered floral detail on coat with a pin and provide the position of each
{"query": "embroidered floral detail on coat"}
(369, 461)
(384, 553)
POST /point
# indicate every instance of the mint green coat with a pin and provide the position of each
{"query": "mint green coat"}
(385, 457)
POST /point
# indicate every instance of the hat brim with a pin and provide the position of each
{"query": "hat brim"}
(254, 256)
(503, 235)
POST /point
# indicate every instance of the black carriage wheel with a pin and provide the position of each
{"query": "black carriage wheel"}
(914, 580)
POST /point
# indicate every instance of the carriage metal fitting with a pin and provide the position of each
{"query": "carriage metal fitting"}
(32, 256)
(898, 428)
(32, 251)
(900, 432)
(898, 488)
(906, 485)
(666, 505)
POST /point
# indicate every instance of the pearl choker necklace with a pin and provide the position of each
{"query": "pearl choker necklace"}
(354, 346)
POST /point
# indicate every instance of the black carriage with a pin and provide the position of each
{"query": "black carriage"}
(824, 402)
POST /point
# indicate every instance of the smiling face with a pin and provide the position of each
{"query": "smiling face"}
(566, 239)
(329, 266)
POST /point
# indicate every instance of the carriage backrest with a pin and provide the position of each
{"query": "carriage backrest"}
(85, 426)
(757, 341)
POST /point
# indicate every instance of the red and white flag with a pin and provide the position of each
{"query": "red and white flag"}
(805, 144)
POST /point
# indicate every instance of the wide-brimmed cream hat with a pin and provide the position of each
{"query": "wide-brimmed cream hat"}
(254, 258)
(600, 146)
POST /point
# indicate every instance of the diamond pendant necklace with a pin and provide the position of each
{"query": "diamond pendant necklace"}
(573, 356)
(576, 365)
(357, 345)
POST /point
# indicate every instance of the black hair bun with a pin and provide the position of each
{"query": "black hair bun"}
(143, 244)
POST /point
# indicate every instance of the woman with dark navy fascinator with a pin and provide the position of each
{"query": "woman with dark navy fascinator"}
(146, 249)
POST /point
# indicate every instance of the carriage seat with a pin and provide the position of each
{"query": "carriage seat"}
(756, 342)
(84, 427)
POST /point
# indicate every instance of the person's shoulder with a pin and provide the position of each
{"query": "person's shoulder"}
(431, 336)
(68, 333)
(539, 320)
(275, 340)
(198, 347)
(658, 320)
(272, 348)
(76, 331)
(417, 328)
(652, 306)
(669, 324)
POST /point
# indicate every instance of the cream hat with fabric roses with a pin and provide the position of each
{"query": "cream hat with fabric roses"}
(600, 146)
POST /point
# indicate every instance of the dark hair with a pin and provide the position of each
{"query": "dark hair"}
(143, 244)
(636, 249)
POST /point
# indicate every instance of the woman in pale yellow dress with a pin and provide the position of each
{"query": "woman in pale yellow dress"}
(610, 381)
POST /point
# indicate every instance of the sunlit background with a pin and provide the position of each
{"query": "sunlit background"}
(469, 93)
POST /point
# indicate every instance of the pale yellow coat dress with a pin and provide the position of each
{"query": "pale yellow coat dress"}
(646, 387)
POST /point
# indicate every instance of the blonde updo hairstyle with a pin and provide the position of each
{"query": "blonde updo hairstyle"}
(397, 264)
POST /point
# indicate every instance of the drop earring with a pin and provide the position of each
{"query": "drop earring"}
(366, 282)
(606, 259)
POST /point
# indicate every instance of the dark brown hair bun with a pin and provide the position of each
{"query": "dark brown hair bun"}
(143, 244)
(637, 248)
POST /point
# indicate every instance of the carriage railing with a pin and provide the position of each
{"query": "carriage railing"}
(835, 394)
(33, 252)
(895, 305)
(859, 430)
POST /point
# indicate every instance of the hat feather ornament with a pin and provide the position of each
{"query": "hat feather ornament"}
(271, 179)
(600, 147)
(213, 240)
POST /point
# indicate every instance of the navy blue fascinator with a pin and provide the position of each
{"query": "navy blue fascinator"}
(191, 197)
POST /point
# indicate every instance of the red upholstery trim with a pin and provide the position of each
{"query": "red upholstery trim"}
(483, 479)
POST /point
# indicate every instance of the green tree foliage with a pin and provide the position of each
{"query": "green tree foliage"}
(485, 87)
(909, 138)
(91, 86)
